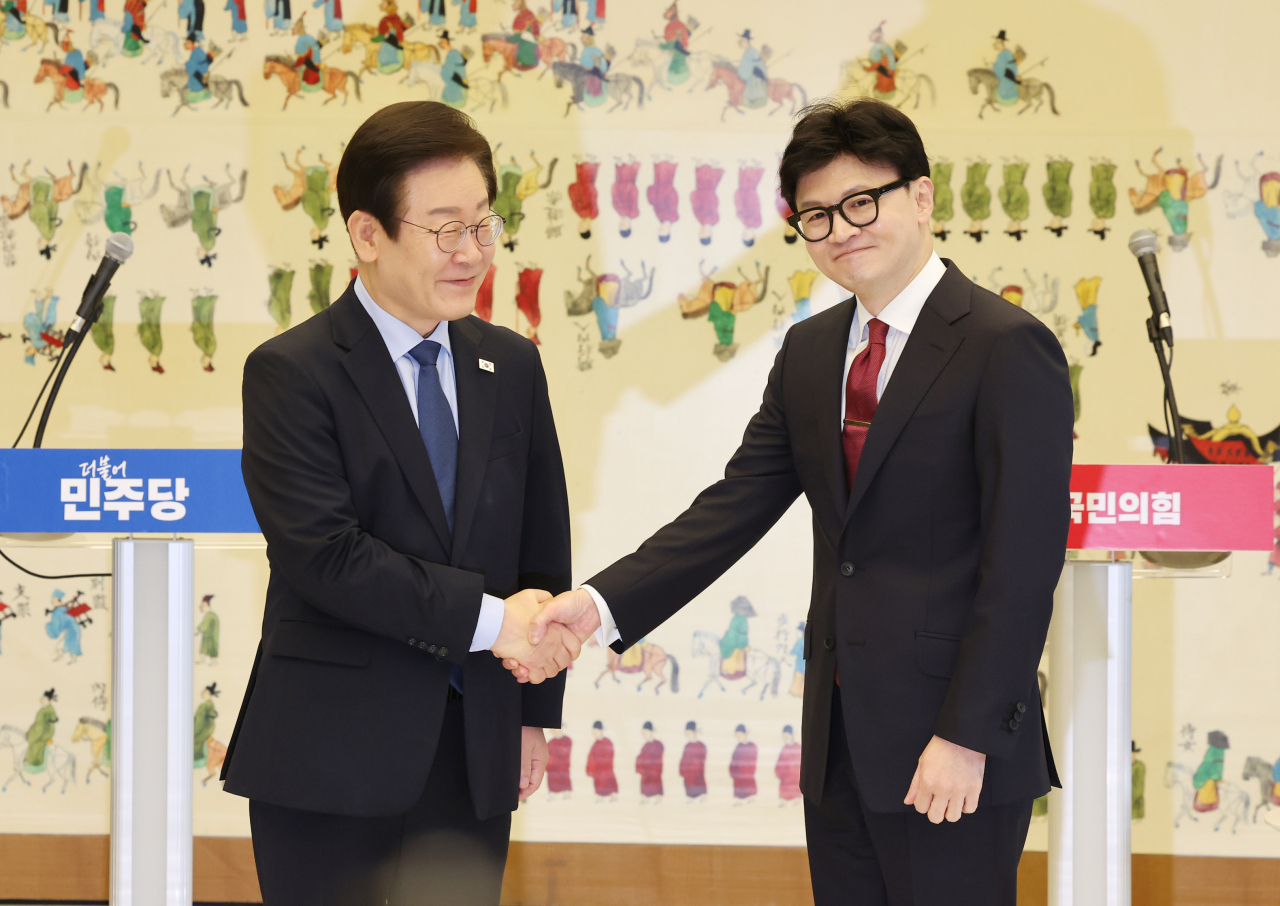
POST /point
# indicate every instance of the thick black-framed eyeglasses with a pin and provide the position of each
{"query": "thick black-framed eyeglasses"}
(858, 210)
(449, 237)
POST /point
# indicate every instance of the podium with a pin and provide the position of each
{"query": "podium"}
(1122, 509)
(136, 492)
(164, 492)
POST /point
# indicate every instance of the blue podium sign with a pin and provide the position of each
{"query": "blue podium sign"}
(119, 491)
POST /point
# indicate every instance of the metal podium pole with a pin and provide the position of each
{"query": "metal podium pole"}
(152, 735)
(1089, 723)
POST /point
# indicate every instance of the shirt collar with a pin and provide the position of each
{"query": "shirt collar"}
(397, 335)
(902, 312)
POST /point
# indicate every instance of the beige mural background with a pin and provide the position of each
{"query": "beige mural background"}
(647, 428)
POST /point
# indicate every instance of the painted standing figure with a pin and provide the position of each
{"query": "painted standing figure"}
(528, 282)
(742, 767)
(1267, 210)
(209, 631)
(787, 769)
(797, 651)
(626, 197)
(559, 781)
(1058, 194)
(705, 202)
(332, 15)
(1087, 296)
(239, 22)
(205, 722)
(582, 195)
(746, 202)
(600, 765)
(649, 766)
(693, 765)
(662, 195)
(64, 628)
(605, 305)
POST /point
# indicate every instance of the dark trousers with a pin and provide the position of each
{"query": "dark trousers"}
(858, 857)
(437, 853)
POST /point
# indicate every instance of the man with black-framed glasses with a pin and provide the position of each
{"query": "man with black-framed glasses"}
(403, 464)
(929, 424)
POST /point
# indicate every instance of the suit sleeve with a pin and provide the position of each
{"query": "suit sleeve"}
(725, 521)
(545, 542)
(297, 481)
(1023, 447)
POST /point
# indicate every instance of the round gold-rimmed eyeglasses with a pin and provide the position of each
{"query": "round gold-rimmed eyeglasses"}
(449, 237)
(858, 210)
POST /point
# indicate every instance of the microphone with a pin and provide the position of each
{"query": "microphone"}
(119, 248)
(1144, 245)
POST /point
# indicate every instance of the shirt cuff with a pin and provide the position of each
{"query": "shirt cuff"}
(608, 632)
(492, 610)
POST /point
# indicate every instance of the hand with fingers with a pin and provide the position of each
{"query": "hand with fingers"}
(572, 614)
(556, 648)
(947, 782)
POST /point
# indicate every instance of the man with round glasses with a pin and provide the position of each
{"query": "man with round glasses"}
(928, 423)
(402, 461)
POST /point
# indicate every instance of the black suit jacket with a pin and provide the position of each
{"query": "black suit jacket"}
(371, 601)
(933, 576)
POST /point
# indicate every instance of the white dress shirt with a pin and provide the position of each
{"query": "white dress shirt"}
(399, 338)
(900, 314)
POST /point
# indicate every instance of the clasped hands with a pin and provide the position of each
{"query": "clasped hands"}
(542, 635)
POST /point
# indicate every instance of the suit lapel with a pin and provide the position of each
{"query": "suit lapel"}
(930, 346)
(370, 367)
(477, 399)
(829, 358)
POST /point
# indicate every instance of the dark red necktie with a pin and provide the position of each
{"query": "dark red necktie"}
(860, 396)
(860, 402)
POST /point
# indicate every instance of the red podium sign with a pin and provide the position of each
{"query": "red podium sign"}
(1171, 508)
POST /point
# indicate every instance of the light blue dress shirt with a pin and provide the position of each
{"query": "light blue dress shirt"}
(399, 338)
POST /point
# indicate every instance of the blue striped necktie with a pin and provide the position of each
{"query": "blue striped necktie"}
(440, 435)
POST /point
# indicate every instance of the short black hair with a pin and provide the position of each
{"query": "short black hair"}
(394, 142)
(872, 131)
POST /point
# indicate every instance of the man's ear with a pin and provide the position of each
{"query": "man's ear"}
(366, 235)
(924, 199)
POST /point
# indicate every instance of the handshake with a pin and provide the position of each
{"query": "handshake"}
(542, 635)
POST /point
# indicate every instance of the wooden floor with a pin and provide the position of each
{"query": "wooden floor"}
(61, 869)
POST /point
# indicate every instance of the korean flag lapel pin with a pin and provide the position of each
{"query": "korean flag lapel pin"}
(486, 365)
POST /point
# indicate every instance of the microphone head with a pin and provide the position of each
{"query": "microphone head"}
(120, 246)
(1143, 242)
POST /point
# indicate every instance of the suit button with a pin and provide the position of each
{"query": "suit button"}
(422, 644)
(830, 643)
(846, 568)
(413, 641)
(443, 652)
(1022, 709)
(431, 649)
(1013, 723)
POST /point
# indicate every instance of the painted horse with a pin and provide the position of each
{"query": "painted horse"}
(779, 91)
(222, 89)
(550, 50)
(95, 733)
(761, 669)
(332, 80)
(1030, 91)
(92, 91)
(652, 663)
(59, 764)
(618, 86)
